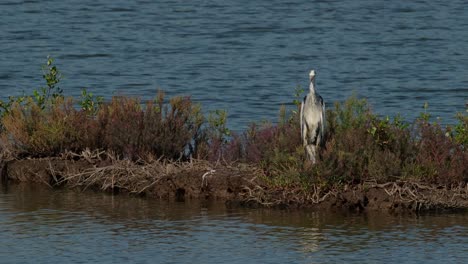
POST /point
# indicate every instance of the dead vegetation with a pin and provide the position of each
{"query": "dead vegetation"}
(235, 183)
(392, 196)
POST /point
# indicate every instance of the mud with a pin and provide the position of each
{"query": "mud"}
(171, 181)
(238, 185)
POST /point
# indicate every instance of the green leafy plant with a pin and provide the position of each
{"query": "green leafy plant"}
(352, 113)
(41, 96)
(217, 120)
(461, 129)
(298, 91)
(297, 101)
(5, 106)
(52, 91)
(425, 116)
(384, 131)
(89, 102)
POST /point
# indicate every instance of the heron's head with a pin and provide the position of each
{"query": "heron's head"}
(312, 75)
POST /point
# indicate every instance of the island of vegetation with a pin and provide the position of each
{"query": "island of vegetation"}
(170, 149)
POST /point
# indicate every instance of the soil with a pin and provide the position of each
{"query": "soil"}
(237, 185)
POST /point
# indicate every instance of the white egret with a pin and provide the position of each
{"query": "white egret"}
(312, 120)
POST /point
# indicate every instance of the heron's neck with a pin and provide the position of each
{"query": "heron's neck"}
(312, 86)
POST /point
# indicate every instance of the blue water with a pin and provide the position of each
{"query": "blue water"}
(50, 226)
(245, 56)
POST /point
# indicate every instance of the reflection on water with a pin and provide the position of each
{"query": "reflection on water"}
(40, 225)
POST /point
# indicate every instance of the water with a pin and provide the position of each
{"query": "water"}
(42, 226)
(245, 56)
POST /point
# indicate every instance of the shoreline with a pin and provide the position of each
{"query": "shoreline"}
(236, 185)
(169, 148)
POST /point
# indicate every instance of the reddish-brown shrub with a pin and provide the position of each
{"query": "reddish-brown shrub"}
(360, 146)
(440, 159)
(124, 126)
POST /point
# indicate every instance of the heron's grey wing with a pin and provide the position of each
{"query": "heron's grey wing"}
(322, 118)
(301, 117)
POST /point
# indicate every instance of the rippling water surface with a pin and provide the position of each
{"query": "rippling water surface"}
(245, 56)
(43, 226)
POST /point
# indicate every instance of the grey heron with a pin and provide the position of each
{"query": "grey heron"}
(312, 120)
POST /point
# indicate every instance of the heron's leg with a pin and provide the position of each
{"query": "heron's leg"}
(318, 141)
(311, 152)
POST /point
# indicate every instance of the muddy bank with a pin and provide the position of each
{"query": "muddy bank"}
(197, 180)
(237, 185)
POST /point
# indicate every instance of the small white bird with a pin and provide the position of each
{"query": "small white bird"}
(312, 120)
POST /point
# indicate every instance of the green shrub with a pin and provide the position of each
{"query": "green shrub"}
(461, 129)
